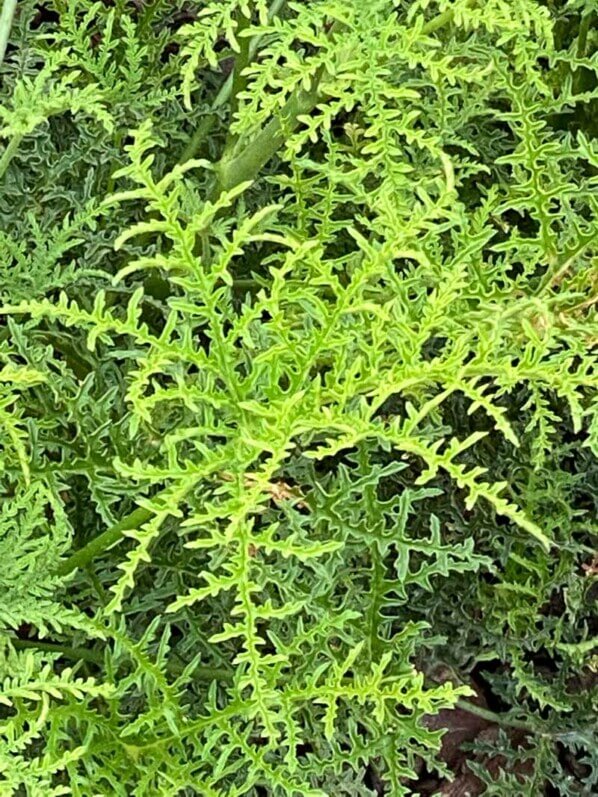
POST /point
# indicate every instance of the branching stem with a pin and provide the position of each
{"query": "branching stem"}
(232, 172)
(207, 123)
(247, 165)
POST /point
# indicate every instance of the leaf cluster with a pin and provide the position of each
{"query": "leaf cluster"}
(298, 403)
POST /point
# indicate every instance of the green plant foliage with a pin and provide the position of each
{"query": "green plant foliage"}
(298, 402)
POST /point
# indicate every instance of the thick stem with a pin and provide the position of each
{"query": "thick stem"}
(9, 153)
(247, 165)
(6, 18)
(104, 541)
(207, 123)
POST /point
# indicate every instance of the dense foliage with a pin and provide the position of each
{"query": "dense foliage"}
(298, 405)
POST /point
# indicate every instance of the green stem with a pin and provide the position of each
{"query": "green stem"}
(9, 152)
(147, 16)
(582, 39)
(491, 716)
(555, 273)
(203, 129)
(582, 36)
(6, 18)
(104, 541)
(239, 79)
(247, 165)
(82, 654)
(205, 126)
(500, 719)
(439, 22)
